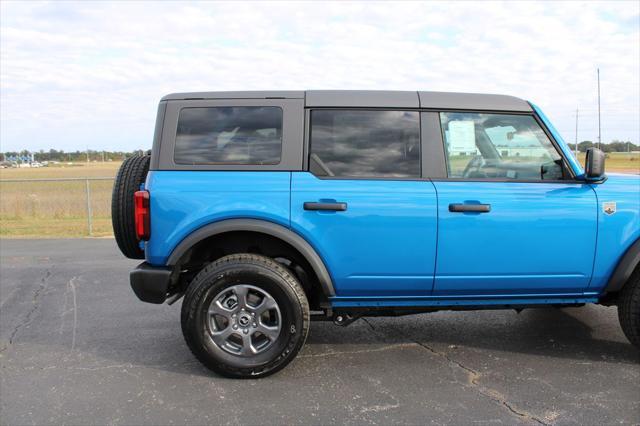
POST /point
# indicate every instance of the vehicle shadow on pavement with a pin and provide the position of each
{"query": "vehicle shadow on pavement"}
(589, 334)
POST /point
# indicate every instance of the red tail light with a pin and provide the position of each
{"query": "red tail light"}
(142, 215)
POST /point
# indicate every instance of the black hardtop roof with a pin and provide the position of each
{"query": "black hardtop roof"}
(374, 99)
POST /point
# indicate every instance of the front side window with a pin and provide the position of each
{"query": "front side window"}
(498, 146)
(229, 135)
(365, 144)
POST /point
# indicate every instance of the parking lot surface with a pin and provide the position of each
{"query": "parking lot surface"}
(77, 347)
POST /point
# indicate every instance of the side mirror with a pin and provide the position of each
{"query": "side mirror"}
(594, 164)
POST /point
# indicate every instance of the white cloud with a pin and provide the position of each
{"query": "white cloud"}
(90, 74)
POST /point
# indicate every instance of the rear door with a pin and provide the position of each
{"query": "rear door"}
(363, 204)
(512, 220)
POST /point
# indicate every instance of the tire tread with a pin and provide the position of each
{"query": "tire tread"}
(629, 308)
(196, 290)
(131, 175)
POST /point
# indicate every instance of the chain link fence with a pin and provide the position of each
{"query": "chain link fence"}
(56, 207)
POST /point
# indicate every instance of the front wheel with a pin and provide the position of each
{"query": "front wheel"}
(629, 308)
(245, 316)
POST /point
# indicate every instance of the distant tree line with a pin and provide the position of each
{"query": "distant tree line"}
(614, 146)
(92, 155)
(62, 156)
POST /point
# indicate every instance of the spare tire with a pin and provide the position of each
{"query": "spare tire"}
(131, 175)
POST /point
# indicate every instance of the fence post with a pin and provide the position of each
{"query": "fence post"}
(89, 220)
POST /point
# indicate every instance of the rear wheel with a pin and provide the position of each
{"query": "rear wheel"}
(629, 308)
(131, 175)
(245, 316)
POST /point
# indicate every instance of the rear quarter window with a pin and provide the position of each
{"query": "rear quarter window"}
(241, 135)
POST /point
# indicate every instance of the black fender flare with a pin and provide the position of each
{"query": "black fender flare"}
(627, 264)
(265, 227)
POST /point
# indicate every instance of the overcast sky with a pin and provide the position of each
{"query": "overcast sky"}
(78, 75)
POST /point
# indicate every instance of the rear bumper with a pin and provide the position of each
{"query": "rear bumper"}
(150, 283)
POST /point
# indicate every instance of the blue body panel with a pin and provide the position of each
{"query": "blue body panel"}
(397, 244)
(382, 245)
(618, 231)
(537, 238)
(183, 201)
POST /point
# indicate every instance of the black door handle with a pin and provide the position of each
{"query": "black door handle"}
(336, 207)
(472, 208)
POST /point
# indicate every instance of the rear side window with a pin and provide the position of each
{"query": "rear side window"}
(498, 146)
(229, 135)
(365, 144)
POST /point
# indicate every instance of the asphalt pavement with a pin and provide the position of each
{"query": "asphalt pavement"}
(77, 347)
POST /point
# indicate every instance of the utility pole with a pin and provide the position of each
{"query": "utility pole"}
(599, 129)
(576, 133)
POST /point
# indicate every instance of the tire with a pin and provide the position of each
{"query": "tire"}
(131, 175)
(629, 308)
(214, 290)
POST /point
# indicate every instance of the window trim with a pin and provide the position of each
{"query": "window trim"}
(292, 135)
(307, 144)
(570, 179)
(436, 147)
(434, 161)
(207, 163)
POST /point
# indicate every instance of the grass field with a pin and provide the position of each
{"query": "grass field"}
(620, 162)
(56, 209)
(59, 209)
(107, 169)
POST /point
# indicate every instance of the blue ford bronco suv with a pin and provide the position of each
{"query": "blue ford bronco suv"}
(266, 210)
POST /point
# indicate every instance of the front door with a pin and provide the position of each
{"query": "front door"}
(363, 204)
(511, 219)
